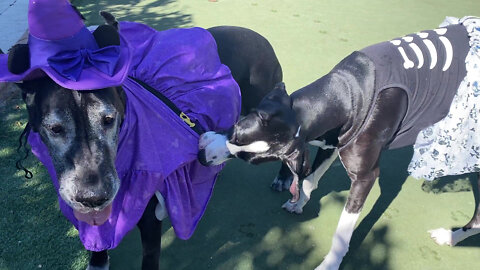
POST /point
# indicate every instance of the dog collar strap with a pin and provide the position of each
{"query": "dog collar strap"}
(171, 105)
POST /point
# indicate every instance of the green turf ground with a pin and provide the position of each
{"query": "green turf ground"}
(244, 227)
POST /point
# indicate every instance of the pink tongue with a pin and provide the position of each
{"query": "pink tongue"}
(95, 218)
(294, 191)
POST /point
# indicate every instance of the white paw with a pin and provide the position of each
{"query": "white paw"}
(106, 267)
(293, 207)
(329, 264)
(441, 236)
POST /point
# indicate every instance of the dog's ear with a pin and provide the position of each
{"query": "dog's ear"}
(299, 162)
(109, 19)
(106, 35)
(280, 94)
(18, 59)
(29, 97)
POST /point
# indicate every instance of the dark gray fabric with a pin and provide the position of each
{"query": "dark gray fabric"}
(430, 90)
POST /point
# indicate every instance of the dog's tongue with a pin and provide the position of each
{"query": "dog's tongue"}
(95, 218)
(294, 190)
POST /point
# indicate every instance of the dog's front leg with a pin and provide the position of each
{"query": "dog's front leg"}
(360, 159)
(359, 190)
(151, 234)
(98, 261)
(323, 161)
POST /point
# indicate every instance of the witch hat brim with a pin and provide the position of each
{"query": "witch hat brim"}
(89, 78)
(74, 59)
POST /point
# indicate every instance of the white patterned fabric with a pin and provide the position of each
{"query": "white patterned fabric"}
(452, 145)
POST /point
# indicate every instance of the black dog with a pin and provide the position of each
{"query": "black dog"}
(353, 112)
(83, 114)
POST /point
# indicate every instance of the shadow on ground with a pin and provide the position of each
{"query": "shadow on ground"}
(158, 14)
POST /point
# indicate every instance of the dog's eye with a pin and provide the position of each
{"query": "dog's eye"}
(57, 129)
(108, 120)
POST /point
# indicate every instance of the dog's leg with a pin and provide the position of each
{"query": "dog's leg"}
(151, 234)
(283, 180)
(361, 185)
(322, 162)
(360, 159)
(448, 237)
(98, 261)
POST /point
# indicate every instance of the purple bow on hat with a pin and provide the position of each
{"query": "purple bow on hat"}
(70, 64)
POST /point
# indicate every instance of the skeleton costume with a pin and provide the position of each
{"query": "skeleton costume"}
(439, 72)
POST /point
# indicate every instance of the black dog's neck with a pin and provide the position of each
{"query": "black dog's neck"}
(322, 106)
(337, 102)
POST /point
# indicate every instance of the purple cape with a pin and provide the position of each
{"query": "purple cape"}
(157, 151)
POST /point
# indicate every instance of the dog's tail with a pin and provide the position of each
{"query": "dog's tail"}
(109, 19)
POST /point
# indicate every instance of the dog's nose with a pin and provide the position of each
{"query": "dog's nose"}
(202, 157)
(91, 201)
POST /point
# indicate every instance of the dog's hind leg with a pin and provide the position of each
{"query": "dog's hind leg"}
(448, 237)
(98, 261)
(151, 234)
(323, 161)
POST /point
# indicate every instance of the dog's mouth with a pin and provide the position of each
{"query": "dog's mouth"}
(94, 217)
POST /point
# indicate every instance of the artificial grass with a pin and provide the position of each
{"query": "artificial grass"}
(244, 227)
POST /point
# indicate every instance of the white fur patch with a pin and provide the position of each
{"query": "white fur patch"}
(298, 132)
(255, 147)
(161, 208)
(215, 147)
(340, 241)
(322, 144)
(443, 236)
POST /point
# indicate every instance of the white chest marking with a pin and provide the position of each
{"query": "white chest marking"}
(322, 144)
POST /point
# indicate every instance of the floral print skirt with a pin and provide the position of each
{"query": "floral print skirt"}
(452, 145)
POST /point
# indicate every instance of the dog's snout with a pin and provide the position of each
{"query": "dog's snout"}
(202, 157)
(91, 201)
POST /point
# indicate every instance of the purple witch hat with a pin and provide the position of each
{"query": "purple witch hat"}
(60, 46)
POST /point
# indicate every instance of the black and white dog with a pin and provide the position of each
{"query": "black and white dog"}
(354, 112)
(81, 127)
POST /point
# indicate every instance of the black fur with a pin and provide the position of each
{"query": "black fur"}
(18, 59)
(256, 75)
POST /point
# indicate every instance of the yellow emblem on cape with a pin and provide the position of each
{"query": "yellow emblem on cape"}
(186, 119)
